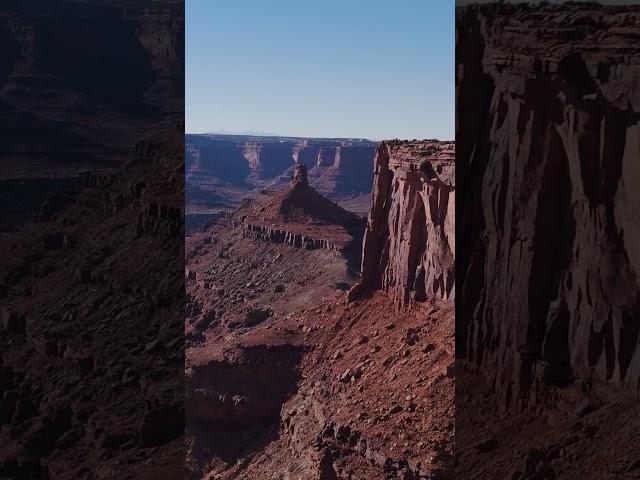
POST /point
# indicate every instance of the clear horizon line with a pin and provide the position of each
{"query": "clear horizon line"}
(266, 134)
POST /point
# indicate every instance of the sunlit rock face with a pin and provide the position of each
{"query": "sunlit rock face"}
(409, 244)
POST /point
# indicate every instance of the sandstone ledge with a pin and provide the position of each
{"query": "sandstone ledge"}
(276, 235)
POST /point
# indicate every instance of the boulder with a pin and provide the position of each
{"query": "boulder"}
(256, 316)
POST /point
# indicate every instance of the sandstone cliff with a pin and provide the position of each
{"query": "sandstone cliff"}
(548, 162)
(236, 164)
(409, 244)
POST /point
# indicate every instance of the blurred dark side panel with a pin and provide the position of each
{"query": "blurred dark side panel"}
(548, 227)
(91, 235)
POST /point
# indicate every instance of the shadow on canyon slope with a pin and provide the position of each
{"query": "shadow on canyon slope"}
(233, 406)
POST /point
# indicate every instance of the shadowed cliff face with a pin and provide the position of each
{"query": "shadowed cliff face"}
(81, 81)
(80, 84)
(409, 244)
(548, 150)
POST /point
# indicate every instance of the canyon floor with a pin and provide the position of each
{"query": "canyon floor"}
(288, 380)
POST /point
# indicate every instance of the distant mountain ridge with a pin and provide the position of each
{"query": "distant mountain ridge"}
(233, 166)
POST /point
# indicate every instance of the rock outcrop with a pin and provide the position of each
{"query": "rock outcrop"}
(91, 362)
(299, 216)
(548, 163)
(299, 177)
(409, 244)
(276, 235)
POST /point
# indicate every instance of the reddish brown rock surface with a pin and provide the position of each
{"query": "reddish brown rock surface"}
(91, 361)
(409, 243)
(547, 306)
(300, 216)
(554, 222)
(285, 379)
(221, 170)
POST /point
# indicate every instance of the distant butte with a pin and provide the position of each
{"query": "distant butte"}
(221, 170)
(299, 216)
(297, 381)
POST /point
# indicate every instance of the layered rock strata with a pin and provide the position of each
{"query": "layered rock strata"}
(275, 235)
(336, 166)
(409, 244)
(232, 401)
(299, 216)
(99, 73)
(548, 160)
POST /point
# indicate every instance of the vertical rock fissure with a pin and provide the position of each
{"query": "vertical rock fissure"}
(417, 247)
(552, 251)
(408, 249)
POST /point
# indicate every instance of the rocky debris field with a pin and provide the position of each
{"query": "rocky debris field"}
(365, 393)
(582, 436)
(235, 281)
(288, 376)
(92, 358)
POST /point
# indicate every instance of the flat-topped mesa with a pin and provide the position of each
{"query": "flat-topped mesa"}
(409, 244)
(336, 167)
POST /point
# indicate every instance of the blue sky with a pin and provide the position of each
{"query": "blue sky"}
(336, 68)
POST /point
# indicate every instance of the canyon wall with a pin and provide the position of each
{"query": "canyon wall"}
(548, 161)
(81, 80)
(409, 244)
(336, 166)
(104, 50)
